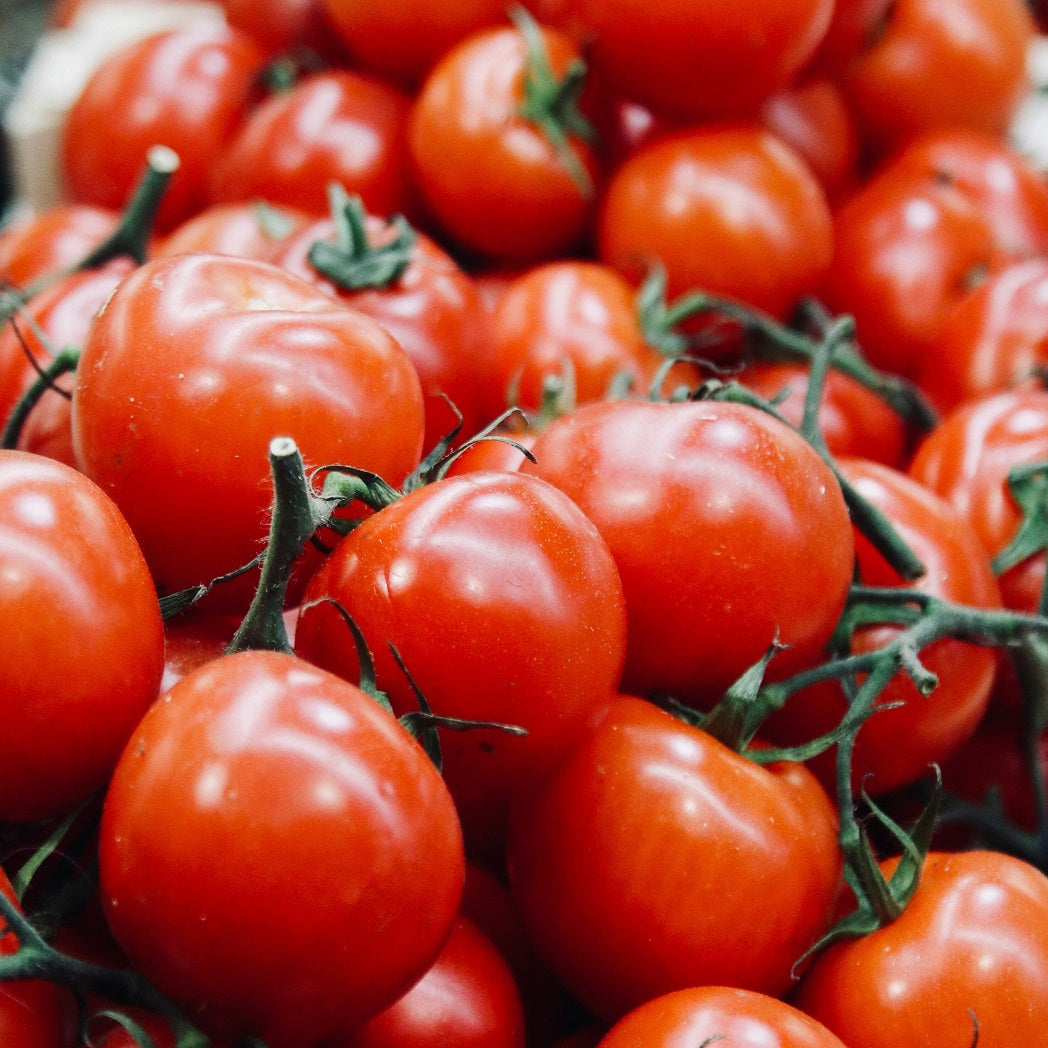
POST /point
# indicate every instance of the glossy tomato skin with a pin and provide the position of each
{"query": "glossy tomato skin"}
(966, 460)
(727, 528)
(51, 241)
(616, 860)
(738, 190)
(195, 364)
(331, 824)
(84, 640)
(335, 126)
(191, 87)
(504, 604)
(692, 1016)
(489, 178)
(705, 61)
(246, 229)
(971, 946)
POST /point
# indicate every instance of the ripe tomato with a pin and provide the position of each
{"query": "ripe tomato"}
(970, 948)
(727, 528)
(282, 25)
(493, 180)
(189, 88)
(655, 858)
(83, 649)
(51, 241)
(336, 126)
(753, 204)
(290, 801)
(852, 29)
(697, 1016)
(245, 229)
(702, 61)
(194, 365)
(505, 605)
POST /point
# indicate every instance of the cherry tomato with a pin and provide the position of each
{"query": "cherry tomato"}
(189, 87)
(969, 953)
(493, 180)
(194, 365)
(84, 640)
(703, 1014)
(336, 126)
(51, 241)
(727, 528)
(290, 801)
(753, 204)
(655, 858)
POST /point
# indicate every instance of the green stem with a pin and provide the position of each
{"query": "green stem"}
(63, 363)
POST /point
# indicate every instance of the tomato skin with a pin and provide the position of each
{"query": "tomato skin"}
(690, 1017)
(490, 179)
(972, 942)
(84, 648)
(191, 87)
(195, 364)
(331, 823)
(51, 241)
(336, 126)
(727, 528)
(233, 229)
(853, 26)
(740, 191)
(940, 63)
(615, 857)
(505, 605)
(704, 61)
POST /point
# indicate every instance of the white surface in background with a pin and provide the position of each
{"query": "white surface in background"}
(1030, 128)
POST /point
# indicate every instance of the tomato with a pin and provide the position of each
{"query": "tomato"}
(853, 27)
(332, 828)
(504, 604)
(966, 460)
(190, 88)
(282, 25)
(655, 858)
(897, 746)
(336, 126)
(432, 309)
(467, 999)
(245, 229)
(696, 1016)
(702, 61)
(970, 948)
(753, 204)
(84, 640)
(194, 365)
(493, 180)
(940, 63)
(727, 528)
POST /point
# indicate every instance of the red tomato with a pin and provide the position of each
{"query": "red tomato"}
(83, 652)
(51, 241)
(247, 230)
(727, 528)
(467, 999)
(281, 25)
(898, 746)
(337, 126)
(184, 88)
(702, 61)
(940, 63)
(853, 27)
(655, 858)
(966, 460)
(505, 605)
(492, 179)
(291, 802)
(194, 365)
(971, 947)
(752, 203)
(705, 1014)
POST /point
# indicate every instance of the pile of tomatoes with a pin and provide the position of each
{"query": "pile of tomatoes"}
(526, 528)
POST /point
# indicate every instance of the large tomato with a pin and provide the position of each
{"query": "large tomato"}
(193, 366)
(276, 852)
(655, 858)
(728, 530)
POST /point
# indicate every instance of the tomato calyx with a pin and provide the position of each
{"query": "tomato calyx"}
(350, 261)
(551, 104)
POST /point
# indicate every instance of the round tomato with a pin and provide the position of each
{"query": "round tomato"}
(248, 229)
(968, 956)
(655, 858)
(193, 367)
(728, 530)
(83, 649)
(308, 866)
